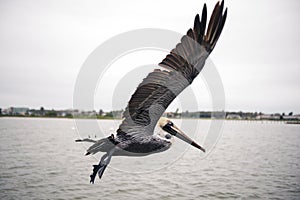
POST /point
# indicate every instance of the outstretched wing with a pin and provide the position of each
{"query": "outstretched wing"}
(183, 64)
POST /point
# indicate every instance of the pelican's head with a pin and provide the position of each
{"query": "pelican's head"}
(168, 126)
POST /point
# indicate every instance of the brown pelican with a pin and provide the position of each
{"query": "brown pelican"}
(135, 136)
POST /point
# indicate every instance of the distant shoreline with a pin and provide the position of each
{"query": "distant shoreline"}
(112, 118)
(117, 114)
(57, 117)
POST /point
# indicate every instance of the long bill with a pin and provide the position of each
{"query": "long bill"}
(173, 130)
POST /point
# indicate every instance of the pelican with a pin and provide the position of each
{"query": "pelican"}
(135, 135)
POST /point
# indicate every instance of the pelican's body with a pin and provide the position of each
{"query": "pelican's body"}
(135, 136)
(140, 146)
(126, 146)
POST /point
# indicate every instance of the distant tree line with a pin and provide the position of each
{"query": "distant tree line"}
(117, 114)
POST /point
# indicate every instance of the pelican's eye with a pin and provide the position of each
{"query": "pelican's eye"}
(170, 124)
(168, 136)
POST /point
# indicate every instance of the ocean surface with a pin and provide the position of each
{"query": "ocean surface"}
(247, 160)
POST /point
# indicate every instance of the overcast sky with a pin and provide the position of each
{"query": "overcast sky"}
(44, 44)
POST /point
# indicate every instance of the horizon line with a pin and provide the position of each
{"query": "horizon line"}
(122, 109)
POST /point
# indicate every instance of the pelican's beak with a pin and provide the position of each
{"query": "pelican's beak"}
(173, 130)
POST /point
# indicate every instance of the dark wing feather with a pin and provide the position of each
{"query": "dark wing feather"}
(183, 64)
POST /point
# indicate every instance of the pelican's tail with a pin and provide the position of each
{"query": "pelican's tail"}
(103, 145)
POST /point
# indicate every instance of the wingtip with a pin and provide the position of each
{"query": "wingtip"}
(197, 23)
(204, 7)
(225, 12)
(221, 7)
(222, 3)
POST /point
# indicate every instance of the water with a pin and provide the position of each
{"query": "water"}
(40, 160)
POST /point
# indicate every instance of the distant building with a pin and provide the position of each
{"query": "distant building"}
(18, 111)
(218, 115)
(291, 117)
(233, 116)
(268, 117)
(65, 113)
(117, 114)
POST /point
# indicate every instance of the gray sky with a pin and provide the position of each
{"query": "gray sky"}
(44, 44)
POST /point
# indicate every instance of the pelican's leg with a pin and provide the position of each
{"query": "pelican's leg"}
(97, 168)
(104, 165)
(105, 159)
